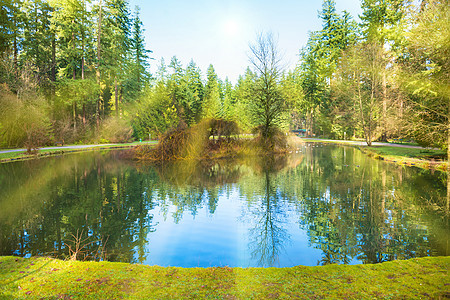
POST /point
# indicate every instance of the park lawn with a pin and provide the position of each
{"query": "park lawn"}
(422, 158)
(46, 278)
(409, 152)
(43, 152)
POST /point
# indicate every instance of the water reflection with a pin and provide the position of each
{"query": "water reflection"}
(325, 204)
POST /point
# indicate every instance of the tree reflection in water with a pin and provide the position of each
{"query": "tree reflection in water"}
(351, 208)
(267, 235)
(48, 202)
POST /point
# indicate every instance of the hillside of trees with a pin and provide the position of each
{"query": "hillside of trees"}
(77, 71)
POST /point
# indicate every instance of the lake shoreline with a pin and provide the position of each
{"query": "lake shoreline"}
(41, 277)
(44, 152)
(377, 152)
(386, 153)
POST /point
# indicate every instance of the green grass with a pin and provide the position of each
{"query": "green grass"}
(43, 152)
(421, 158)
(418, 157)
(409, 152)
(45, 278)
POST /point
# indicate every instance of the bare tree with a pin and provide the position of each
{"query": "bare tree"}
(268, 103)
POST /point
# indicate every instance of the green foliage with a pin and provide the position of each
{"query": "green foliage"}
(319, 63)
(71, 21)
(138, 61)
(270, 140)
(372, 80)
(267, 104)
(410, 279)
(380, 19)
(154, 113)
(211, 106)
(38, 36)
(116, 130)
(244, 95)
(425, 76)
(23, 121)
(360, 85)
(194, 142)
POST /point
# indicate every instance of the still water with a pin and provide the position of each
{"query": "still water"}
(321, 205)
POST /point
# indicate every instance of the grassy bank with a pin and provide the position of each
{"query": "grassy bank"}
(422, 158)
(36, 278)
(404, 154)
(43, 152)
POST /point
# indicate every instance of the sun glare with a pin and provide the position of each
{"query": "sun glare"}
(231, 27)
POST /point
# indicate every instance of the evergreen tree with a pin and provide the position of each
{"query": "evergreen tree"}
(72, 25)
(38, 42)
(161, 74)
(243, 94)
(381, 21)
(115, 44)
(425, 76)
(193, 94)
(138, 59)
(319, 61)
(211, 104)
(228, 102)
(8, 12)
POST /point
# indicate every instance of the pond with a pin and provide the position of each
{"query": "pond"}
(322, 204)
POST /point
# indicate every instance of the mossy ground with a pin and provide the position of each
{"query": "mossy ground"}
(45, 278)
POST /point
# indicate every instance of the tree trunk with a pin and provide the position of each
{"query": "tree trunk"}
(116, 96)
(99, 34)
(384, 134)
(73, 46)
(448, 159)
(82, 67)
(74, 117)
(368, 142)
(53, 58)
(84, 114)
(15, 53)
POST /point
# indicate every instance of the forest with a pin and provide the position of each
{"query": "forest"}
(77, 71)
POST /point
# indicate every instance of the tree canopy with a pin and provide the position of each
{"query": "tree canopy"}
(83, 66)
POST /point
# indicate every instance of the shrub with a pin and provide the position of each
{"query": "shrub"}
(116, 130)
(23, 122)
(270, 139)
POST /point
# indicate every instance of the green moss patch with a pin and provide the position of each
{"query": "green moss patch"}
(37, 278)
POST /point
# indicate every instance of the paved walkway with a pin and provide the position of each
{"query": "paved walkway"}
(69, 147)
(359, 143)
(362, 143)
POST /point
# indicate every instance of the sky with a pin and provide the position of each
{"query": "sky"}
(219, 32)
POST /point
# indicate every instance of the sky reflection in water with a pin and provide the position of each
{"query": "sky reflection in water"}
(323, 204)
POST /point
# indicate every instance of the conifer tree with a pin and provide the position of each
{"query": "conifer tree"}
(138, 74)
(211, 104)
(115, 44)
(38, 38)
